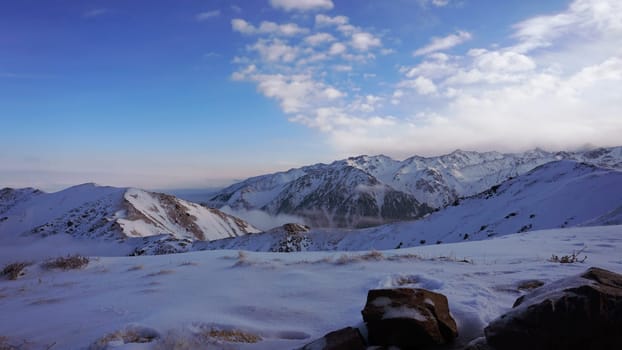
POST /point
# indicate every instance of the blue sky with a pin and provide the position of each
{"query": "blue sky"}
(162, 94)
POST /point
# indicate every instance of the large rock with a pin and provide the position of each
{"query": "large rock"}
(579, 312)
(344, 339)
(408, 318)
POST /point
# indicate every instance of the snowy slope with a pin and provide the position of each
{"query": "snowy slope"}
(344, 196)
(434, 181)
(9, 197)
(114, 213)
(282, 300)
(557, 194)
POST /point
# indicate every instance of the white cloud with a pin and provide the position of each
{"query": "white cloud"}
(275, 50)
(422, 85)
(444, 43)
(436, 66)
(204, 16)
(298, 93)
(557, 84)
(287, 29)
(506, 61)
(324, 20)
(332, 93)
(436, 3)
(440, 3)
(583, 19)
(267, 27)
(240, 25)
(342, 68)
(245, 73)
(397, 96)
(319, 38)
(261, 219)
(364, 41)
(337, 49)
(302, 5)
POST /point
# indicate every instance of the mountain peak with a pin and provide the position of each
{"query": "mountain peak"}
(432, 181)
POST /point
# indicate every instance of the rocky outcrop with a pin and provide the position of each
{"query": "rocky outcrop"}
(348, 338)
(408, 318)
(579, 312)
(295, 238)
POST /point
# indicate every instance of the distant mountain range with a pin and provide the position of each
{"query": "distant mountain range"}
(370, 190)
(92, 211)
(456, 197)
(558, 194)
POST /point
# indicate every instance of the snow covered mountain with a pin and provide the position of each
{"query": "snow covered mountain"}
(554, 195)
(89, 210)
(366, 190)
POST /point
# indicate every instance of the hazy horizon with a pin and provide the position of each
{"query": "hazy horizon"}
(198, 95)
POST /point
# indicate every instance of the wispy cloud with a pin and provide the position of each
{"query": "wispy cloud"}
(302, 5)
(204, 16)
(95, 13)
(444, 43)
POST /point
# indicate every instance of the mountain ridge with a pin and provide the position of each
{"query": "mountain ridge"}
(93, 211)
(557, 194)
(427, 182)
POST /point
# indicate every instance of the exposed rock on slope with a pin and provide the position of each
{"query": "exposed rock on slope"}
(114, 213)
(554, 195)
(369, 190)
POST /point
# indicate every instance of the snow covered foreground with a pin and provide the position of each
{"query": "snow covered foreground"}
(285, 299)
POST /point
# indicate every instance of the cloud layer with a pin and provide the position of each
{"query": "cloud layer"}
(557, 84)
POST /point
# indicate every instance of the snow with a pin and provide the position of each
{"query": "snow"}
(109, 213)
(42, 208)
(492, 242)
(157, 209)
(558, 194)
(403, 312)
(435, 181)
(286, 299)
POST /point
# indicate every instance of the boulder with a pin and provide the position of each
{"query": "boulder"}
(344, 339)
(408, 318)
(579, 312)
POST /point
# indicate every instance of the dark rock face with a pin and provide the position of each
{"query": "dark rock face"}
(579, 312)
(408, 318)
(344, 339)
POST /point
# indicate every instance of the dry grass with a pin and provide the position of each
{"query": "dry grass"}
(569, 259)
(373, 255)
(128, 335)
(242, 259)
(231, 336)
(70, 262)
(204, 336)
(136, 268)
(160, 273)
(15, 270)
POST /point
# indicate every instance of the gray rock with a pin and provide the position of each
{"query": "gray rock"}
(579, 312)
